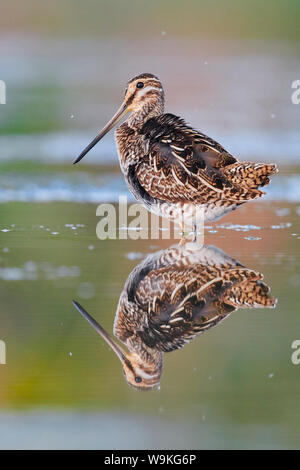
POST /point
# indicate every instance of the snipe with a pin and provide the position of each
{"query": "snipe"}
(170, 298)
(172, 168)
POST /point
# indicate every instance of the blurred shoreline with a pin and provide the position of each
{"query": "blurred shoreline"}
(60, 429)
(61, 91)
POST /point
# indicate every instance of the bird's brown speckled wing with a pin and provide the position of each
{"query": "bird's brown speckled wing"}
(178, 293)
(183, 165)
(181, 304)
(177, 316)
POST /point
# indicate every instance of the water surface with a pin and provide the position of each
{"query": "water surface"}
(229, 382)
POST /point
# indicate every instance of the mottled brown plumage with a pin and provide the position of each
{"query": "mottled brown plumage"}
(172, 297)
(172, 168)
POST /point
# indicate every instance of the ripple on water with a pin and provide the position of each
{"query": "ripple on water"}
(239, 228)
(32, 271)
(281, 225)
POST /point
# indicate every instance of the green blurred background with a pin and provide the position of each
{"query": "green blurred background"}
(227, 67)
(276, 19)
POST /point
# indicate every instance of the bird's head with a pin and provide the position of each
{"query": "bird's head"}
(143, 93)
(145, 89)
(140, 374)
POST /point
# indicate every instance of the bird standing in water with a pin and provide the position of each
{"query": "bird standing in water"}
(173, 169)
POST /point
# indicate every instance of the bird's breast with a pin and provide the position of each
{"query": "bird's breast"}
(131, 146)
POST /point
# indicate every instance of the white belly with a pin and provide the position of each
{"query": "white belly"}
(189, 214)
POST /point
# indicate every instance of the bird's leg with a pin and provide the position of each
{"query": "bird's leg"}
(194, 233)
(182, 240)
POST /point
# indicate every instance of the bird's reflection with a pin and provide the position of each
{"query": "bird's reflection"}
(170, 298)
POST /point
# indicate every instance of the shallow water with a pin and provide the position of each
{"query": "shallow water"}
(234, 386)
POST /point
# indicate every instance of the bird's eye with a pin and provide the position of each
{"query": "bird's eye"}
(138, 380)
(139, 84)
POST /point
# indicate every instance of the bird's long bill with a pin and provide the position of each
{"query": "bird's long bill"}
(114, 120)
(101, 331)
